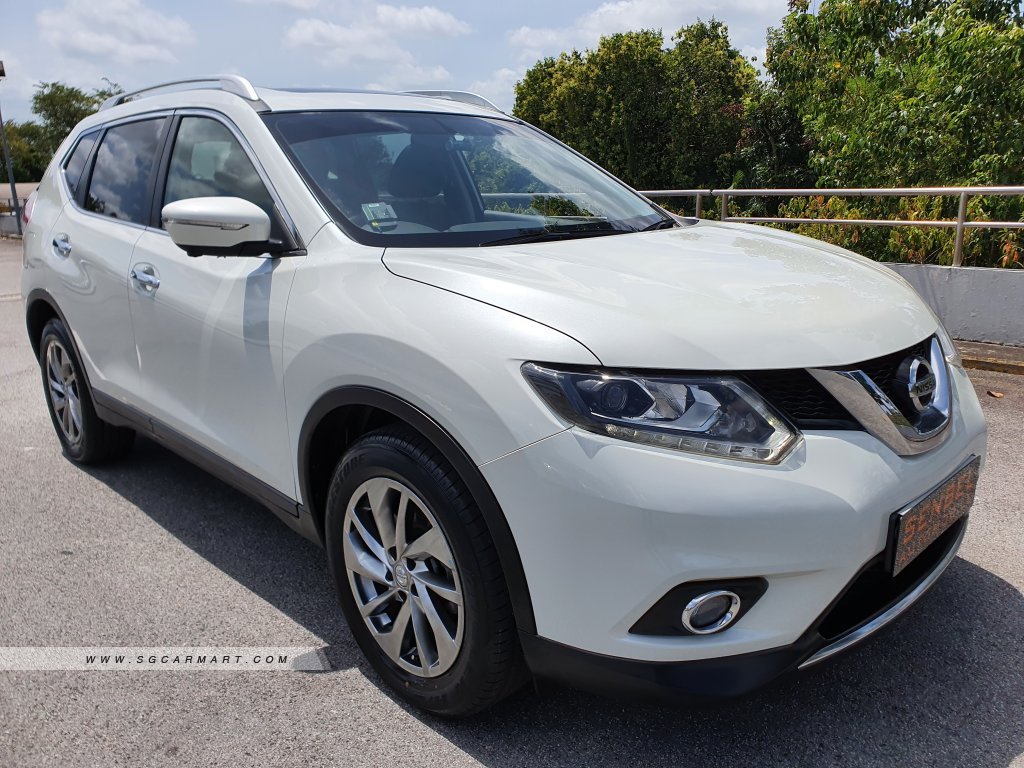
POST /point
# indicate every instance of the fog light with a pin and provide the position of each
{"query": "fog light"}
(711, 612)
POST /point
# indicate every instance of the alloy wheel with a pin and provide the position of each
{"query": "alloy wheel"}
(63, 388)
(403, 576)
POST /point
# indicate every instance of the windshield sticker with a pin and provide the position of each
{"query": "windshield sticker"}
(381, 216)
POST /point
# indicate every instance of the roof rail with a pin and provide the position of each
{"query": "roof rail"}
(235, 84)
(464, 96)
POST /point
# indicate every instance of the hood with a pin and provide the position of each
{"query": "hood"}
(704, 297)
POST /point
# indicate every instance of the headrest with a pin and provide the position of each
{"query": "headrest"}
(421, 170)
(234, 162)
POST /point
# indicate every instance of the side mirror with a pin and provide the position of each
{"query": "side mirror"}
(219, 226)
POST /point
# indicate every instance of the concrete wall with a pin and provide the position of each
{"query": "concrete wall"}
(974, 304)
(22, 188)
(8, 224)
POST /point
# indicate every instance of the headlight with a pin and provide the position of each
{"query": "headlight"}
(949, 350)
(711, 415)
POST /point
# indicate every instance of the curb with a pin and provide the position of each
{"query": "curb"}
(992, 357)
(987, 364)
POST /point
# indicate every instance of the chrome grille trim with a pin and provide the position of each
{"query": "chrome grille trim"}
(877, 413)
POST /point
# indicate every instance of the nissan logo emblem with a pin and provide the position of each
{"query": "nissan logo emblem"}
(920, 382)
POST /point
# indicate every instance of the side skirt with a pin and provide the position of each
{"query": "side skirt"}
(287, 509)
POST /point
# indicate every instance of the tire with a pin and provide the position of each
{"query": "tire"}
(84, 437)
(457, 652)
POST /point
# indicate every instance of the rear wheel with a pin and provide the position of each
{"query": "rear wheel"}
(418, 576)
(84, 436)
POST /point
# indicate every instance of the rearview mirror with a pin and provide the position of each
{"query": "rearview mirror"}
(219, 226)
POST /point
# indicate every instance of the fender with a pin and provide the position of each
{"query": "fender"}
(504, 542)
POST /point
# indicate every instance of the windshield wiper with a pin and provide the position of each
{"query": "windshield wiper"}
(659, 224)
(557, 234)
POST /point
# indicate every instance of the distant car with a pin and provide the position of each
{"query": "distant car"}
(539, 424)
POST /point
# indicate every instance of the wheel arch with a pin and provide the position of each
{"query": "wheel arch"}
(342, 415)
(40, 308)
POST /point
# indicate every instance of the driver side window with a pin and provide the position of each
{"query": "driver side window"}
(208, 161)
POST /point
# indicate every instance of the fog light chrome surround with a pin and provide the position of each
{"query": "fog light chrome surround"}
(722, 622)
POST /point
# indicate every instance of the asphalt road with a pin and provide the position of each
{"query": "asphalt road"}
(154, 552)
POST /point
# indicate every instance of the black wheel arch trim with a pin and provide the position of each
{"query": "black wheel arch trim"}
(501, 533)
(35, 296)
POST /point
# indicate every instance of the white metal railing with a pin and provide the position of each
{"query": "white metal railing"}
(960, 223)
(698, 196)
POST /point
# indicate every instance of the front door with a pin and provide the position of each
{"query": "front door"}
(208, 330)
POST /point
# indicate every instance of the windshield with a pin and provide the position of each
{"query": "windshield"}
(426, 179)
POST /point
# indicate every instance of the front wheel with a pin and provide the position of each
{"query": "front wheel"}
(418, 576)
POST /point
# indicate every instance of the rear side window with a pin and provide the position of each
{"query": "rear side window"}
(208, 161)
(124, 167)
(76, 162)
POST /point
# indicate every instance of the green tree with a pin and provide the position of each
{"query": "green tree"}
(606, 103)
(904, 93)
(655, 116)
(772, 150)
(710, 82)
(899, 92)
(556, 96)
(629, 87)
(59, 108)
(29, 155)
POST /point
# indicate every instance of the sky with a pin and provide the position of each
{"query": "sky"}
(460, 44)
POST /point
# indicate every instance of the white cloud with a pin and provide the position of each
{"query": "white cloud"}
(499, 88)
(534, 43)
(124, 31)
(756, 55)
(536, 37)
(750, 19)
(340, 44)
(669, 15)
(17, 84)
(426, 19)
(299, 5)
(380, 35)
(634, 14)
(406, 76)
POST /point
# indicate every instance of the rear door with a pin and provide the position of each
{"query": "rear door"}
(109, 176)
(208, 330)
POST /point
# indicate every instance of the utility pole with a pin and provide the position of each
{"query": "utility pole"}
(10, 164)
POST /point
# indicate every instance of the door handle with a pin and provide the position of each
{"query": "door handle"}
(62, 245)
(145, 277)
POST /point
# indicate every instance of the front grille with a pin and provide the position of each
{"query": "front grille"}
(801, 399)
(882, 370)
(809, 405)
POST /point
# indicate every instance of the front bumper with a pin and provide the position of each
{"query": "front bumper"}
(606, 528)
(737, 675)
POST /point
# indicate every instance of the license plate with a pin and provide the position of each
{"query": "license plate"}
(913, 529)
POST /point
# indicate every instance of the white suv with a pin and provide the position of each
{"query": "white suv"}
(540, 425)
